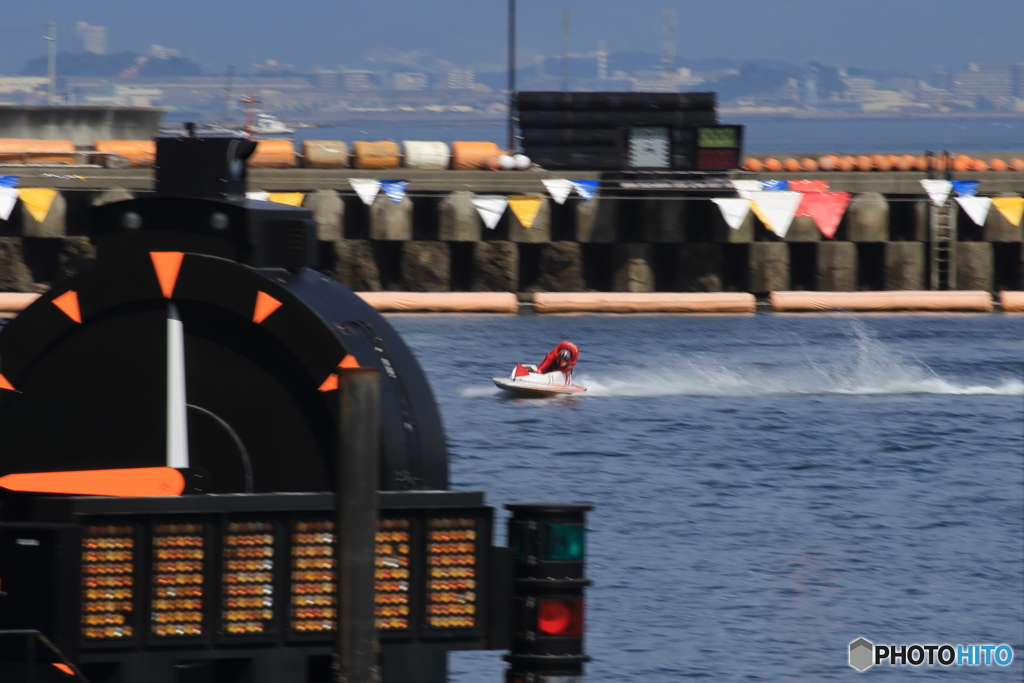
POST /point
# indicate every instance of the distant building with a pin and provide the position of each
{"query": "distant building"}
(409, 81)
(356, 81)
(93, 39)
(460, 79)
(859, 88)
(995, 83)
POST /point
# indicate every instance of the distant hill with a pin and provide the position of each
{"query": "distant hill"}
(86, 64)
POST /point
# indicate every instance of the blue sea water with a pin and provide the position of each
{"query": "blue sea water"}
(767, 489)
(762, 134)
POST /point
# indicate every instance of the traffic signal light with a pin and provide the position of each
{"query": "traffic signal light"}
(718, 147)
(548, 544)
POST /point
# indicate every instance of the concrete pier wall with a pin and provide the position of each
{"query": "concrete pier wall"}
(676, 241)
(82, 125)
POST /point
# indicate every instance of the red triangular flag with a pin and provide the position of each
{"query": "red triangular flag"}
(826, 208)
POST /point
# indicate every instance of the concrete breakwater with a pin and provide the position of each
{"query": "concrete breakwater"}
(657, 232)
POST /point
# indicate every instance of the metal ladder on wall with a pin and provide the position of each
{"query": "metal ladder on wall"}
(943, 246)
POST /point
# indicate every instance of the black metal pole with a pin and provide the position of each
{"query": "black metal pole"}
(357, 479)
(512, 147)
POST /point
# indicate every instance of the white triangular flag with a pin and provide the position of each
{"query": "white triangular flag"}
(776, 209)
(258, 195)
(366, 188)
(734, 211)
(747, 185)
(749, 195)
(8, 198)
(558, 188)
(938, 190)
(490, 207)
(975, 207)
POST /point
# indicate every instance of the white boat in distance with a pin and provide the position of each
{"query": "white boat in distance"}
(268, 124)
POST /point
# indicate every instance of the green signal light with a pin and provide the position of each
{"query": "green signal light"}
(564, 542)
(717, 137)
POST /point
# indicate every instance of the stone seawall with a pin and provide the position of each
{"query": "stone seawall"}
(659, 235)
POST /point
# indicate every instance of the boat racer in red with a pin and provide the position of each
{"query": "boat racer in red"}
(563, 357)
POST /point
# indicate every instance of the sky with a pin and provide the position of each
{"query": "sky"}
(908, 36)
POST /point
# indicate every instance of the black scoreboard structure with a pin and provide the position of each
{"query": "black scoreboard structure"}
(612, 131)
(177, 454)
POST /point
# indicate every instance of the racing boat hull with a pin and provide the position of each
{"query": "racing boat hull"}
(528, 384)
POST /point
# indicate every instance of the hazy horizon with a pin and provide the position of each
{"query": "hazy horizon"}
(906, 36)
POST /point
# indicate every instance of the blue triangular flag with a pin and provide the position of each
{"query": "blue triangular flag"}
(775, 185)
(586, 188)
(8, 181)
(395, 189)
(965, 188)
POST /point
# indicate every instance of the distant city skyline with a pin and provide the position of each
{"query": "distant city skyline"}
(904, 36)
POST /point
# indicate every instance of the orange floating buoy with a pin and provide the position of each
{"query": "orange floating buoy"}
(920, 163)
(827, 163)
(753, 164)
(979, 165)
(772, 164)
(938, 163)
(864, 163)
(962, 163)
(1017, 164)
(903, 162)
(894, 160)
(791, 165)
(880, 162)
(847, 163)
(997, 165)
(808, 164)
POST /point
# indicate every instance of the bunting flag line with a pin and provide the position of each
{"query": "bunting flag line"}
(1012, 208)
(749, 195)
(37, 200)
(975, 207)
(747, 185)
(776, 209)
(774, 185)
(938, 190)
(395, 189)
(366, 188)
(490, 207)
(965, 188)
(8, 198)
(289, 198)
(526, 209)
(8, 181)
(258, 195)
(586, 188)
(826, 209)
(558, 188)
(734, 211)
(809, 185)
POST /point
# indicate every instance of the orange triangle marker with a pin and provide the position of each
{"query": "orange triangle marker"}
(167, 265)
(64, 667)
(265, 305)
(4, 384)
(68, 302)
(330, 384)
(142, 481)
(349, 361)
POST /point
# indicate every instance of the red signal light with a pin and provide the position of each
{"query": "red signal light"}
(560, 617)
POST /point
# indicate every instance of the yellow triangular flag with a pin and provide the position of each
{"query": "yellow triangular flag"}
(1012, 208)
(760, 215)
(525, 209)
(289, 198)
(37, 200)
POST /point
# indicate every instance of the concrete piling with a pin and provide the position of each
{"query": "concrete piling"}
(835, 267)
(632, 269)
(457, 218)
(903, 266)
(597, 220)
(867, 218)
(998, 229)
(663, 221)
(14, 274)
(53, 225)
(974, 266)
(803, 229)
(698, 267)
(426, 267)
(539, 232)
(355, 266)
(328, 212)
(495, 267)
(391, 221)
(768, 267)
(560, 268)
